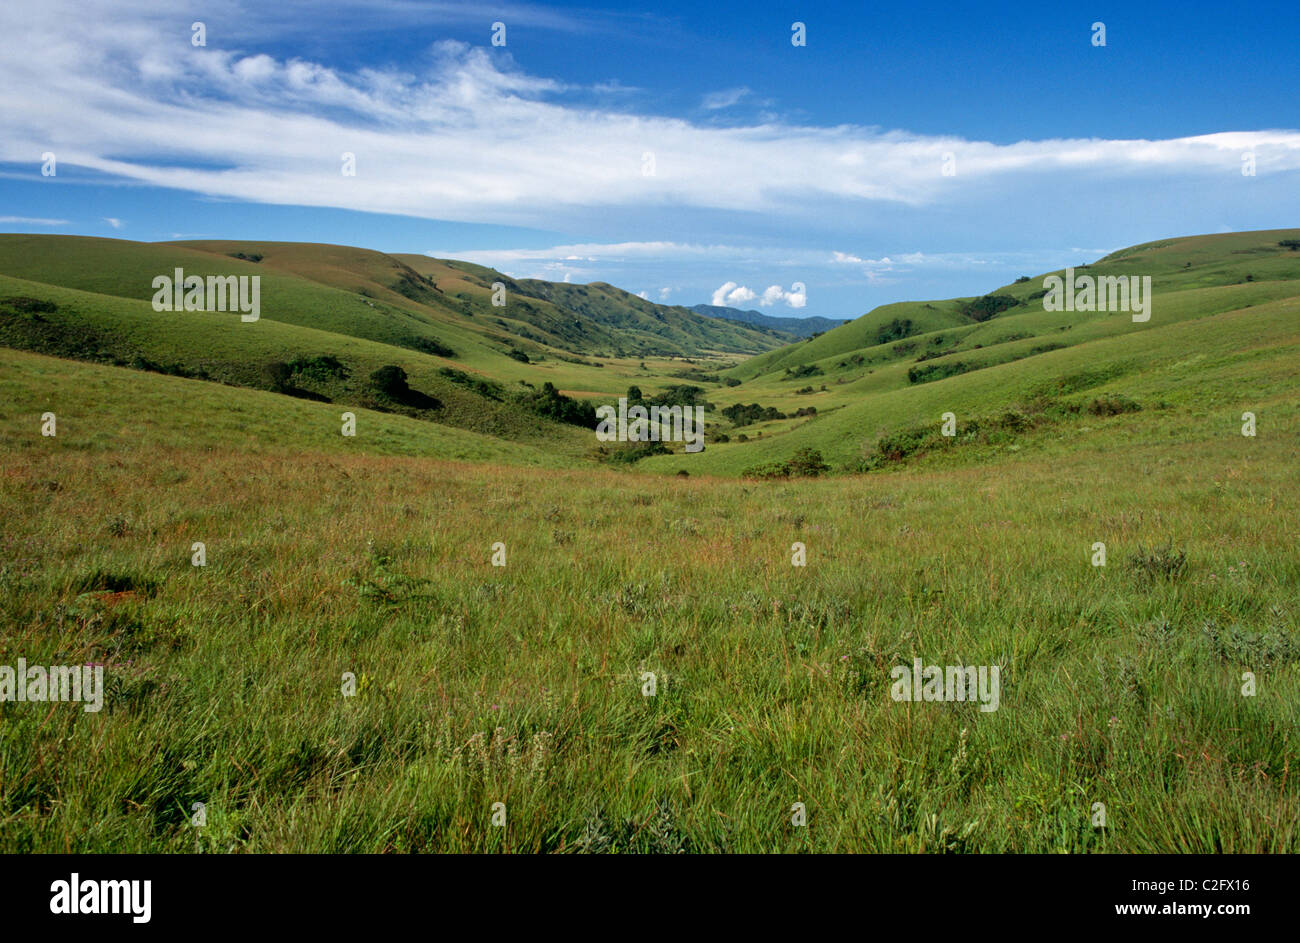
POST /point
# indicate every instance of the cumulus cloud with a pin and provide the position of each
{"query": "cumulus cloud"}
(775, 294)
(732, 294)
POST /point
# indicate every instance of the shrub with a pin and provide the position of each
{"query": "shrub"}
(806, 463)
(321, 369)
(1112, 404)
(429, 345)
(516, 354)
(391, 381)
(1159, 562)
(482, 387)
(30, 305)
(277, 375)
(803, 370)
(679, 395)
(633, 452)
(937, 371)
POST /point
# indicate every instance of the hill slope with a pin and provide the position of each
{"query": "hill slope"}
(798, 327)
(1224, 309)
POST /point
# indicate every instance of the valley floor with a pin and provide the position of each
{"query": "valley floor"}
(522, 684)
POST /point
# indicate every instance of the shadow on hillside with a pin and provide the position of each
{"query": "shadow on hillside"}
(416, 400)
(300, 393)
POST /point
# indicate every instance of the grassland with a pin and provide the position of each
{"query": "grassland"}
(522, 684)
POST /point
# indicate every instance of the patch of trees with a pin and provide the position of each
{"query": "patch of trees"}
(249, 257)
(803, 370)
(938, 371)
(680, 394)
(29, 305)
(429, 345)
(981, 309)
(1292, 244)
(805, 463)
(551, 403)
(278, 377)
(632, 452)
(392, 383)
(744, 415)
(895, 330)
(516, 354)
(482, 387)
(997, 430)
(321, 369)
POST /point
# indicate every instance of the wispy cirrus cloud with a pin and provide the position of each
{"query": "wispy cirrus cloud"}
(724, 99)
(464, 135)
(32, 221)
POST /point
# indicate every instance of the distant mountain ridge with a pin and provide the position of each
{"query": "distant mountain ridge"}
(798, 327)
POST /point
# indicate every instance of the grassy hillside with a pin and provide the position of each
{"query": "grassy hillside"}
(379, 297)
(219, 347)
(523, 684)
(467, 360)
(1224, 311)
(102, 410)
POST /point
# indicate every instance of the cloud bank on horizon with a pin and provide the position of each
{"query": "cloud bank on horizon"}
(464, 133)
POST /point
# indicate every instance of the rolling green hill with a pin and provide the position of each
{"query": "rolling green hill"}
(1217, 301)
(521, 678)
(334, 315)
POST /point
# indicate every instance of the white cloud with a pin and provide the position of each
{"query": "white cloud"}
(664, 293)
(32, 221)
(115, 223)
(731, 294)
(723, 99)
(643, 295)
(464, 135)
(775, 294)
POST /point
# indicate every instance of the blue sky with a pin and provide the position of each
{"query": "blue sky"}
(689, 152)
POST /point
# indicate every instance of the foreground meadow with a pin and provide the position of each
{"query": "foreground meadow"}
(523, 684)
